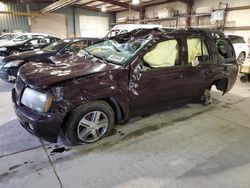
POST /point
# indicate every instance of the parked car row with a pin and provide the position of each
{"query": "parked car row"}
(84, 94)
(10, 65)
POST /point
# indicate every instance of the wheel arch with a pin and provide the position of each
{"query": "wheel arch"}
(221, 84)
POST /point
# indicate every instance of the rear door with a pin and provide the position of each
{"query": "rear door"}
(204, 64)
(201, 65)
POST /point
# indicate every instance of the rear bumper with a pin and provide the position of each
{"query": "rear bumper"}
(45, 126)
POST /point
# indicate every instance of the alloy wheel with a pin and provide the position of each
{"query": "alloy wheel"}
(92, 126)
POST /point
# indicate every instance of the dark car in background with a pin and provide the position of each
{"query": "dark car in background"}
(136, 73)
(10, 65)
(14, 48)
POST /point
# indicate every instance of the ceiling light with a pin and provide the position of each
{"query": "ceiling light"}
(135, 2)
(104, 9)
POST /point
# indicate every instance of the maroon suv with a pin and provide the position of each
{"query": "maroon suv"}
(136, 73)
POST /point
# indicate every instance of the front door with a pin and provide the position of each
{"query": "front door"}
(157, 80)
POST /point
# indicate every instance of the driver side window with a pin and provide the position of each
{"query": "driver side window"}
(77, 46)
(165, 54)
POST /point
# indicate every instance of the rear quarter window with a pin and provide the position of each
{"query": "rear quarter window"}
(225, 49)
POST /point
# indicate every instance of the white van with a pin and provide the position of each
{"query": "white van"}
(124, 28)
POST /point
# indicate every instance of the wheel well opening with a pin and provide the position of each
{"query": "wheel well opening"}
(221, 84)
(119, 114)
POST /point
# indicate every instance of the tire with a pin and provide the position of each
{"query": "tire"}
(241, 58)
(83, 126)
(14, 52)
(244, 79)
(206, 97)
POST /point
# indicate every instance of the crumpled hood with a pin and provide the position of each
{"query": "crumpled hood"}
(43, 75)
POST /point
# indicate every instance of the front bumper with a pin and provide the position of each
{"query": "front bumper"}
(45, 126)
(8, 74)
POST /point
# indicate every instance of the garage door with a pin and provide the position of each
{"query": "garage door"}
(94, 26)
(53, 24)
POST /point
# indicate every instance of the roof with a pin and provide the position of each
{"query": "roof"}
(158, 32)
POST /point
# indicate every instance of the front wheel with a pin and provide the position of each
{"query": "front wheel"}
(89, 123)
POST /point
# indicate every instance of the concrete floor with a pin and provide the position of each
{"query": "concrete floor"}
(191, 146)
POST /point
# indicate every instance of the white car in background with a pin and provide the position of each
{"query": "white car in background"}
(7, 36)
(240, 47)
(18, 38)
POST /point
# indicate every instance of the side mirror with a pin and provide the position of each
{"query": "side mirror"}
(195, 61)
(28, 44)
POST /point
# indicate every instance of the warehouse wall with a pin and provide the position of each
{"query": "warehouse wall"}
(12, 23)
(236, 19)
(233, 19)
(152, 12)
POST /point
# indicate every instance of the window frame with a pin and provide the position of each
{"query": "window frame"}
(233, 58)
(204, 41)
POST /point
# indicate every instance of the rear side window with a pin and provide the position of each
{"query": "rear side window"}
(225, 49)
(236, 39)
(197, 48)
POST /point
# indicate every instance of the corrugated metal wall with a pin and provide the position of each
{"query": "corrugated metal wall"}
(12, 22)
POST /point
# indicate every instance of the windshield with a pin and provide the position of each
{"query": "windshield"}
(117, 52)
(21, 38)
(56, 46)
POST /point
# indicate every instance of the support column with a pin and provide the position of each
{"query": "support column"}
(142, 15)
(189, 12)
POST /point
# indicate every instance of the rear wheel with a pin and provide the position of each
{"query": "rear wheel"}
(89, 123)
(206, 97)
(241, 58)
